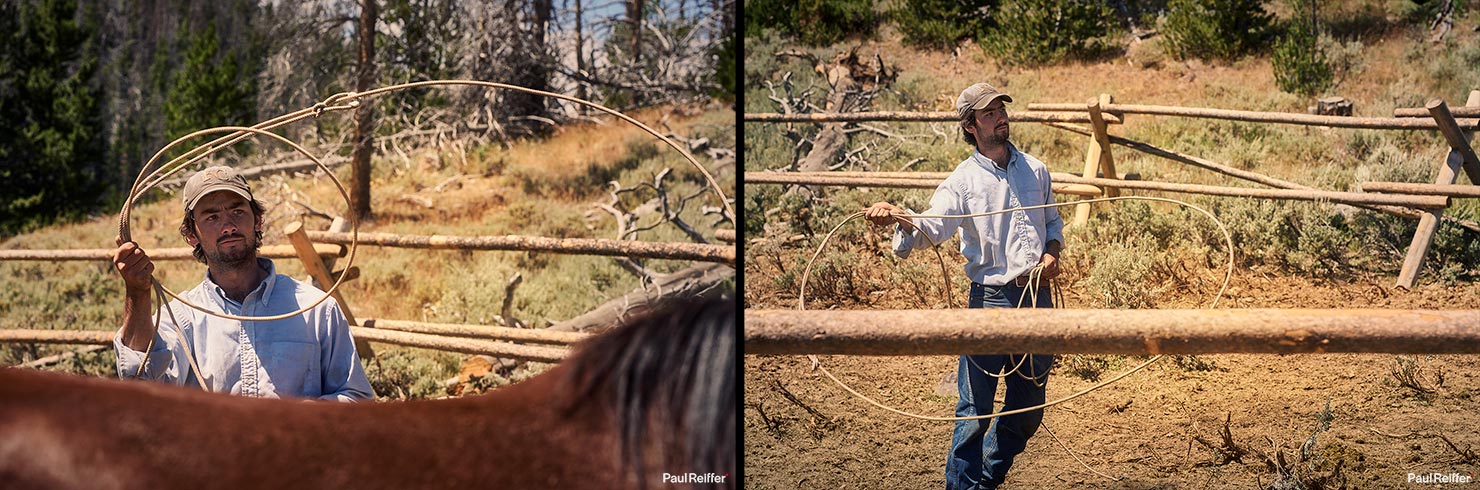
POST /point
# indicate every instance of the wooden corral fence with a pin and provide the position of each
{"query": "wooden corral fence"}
(1125, 332)
(319, 250)
(1424, 202)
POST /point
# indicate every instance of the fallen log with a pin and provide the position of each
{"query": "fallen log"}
(1125, 332)
(104, 254)
(583, 246)
(542, 336)
(56, 358)
(82, 337)
(466, 346)
(266, 170)
(698, 281)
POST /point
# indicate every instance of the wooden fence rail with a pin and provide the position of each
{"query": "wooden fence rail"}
(1126, 332)
(905, 116)
(1451, 190)
(1100, 110)
(1355, 198)
(1424, 112)
(535, 335)
(587, 246)
(1257, 116)
(467, 346)
(106, 254)
(821, 178)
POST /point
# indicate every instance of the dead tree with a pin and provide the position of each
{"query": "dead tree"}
(854, 84)
(364, 116)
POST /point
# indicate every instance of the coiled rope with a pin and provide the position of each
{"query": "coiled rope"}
(1034, 280)
(148, 179)
(817, 364)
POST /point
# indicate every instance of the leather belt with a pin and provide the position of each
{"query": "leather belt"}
(1024, 281)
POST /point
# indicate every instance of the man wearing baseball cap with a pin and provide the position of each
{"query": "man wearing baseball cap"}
(1002, 251)
(310, 355)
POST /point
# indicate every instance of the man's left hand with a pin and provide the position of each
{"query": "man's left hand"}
(1050, 263)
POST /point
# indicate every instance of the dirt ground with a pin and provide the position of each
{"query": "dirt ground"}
(802, 431)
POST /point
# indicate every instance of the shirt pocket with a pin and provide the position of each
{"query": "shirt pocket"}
(294, 369)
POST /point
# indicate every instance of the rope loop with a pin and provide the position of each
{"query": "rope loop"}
(817, 363)
(151, 176)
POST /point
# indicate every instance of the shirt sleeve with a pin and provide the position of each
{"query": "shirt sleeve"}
(166, 358)
(344, 376)
(945, 201)
(1055, 221)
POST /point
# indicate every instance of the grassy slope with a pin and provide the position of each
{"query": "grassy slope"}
(543, 188)
(1392, 68)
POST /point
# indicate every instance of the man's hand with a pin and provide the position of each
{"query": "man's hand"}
(1050, 260)
(1050, 265)
(134, 265)
(884, 214)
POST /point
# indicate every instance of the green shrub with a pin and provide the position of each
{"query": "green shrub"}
(1034, 32)
(1122, 276)
(1299, 61)
(1216, 29)
(813, 22)
(940, 24)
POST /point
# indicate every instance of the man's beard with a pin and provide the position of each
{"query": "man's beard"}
(994, 139)
(237, 257)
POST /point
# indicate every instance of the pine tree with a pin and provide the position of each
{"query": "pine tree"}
(209, 89)
(51, 141)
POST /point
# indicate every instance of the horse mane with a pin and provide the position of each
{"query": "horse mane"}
(668, 376)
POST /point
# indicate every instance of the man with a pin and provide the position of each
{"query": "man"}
(1001, 251)
(310, 355)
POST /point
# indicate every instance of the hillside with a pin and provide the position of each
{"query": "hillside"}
(542, 187)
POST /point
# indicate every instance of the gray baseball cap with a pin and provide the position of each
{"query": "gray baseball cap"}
(977, 97)
(214, 179)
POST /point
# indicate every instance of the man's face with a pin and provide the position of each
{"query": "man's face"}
(226, 228)
(989, 124)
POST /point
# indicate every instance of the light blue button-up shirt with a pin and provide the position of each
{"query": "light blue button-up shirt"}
(1000, 247)
(307, 356)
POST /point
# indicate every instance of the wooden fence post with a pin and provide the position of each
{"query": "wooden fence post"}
(316, 269)
(1459, 154)
(1097, 157)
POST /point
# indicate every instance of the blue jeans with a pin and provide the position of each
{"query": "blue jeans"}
(983, 450)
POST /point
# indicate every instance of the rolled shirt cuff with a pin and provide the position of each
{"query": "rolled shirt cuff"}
(128, 359)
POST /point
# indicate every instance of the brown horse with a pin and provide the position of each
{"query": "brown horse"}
(650, 404)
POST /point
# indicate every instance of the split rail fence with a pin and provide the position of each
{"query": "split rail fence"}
(319, 250)
(1423, 202)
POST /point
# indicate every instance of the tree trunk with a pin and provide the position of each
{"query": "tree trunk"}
(364, 122)
(634, 15)
(580, 58)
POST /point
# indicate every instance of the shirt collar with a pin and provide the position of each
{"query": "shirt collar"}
(987, 163)
(263, 289)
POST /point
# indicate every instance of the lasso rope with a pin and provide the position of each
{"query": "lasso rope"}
(341, 101)
(1035, 276)
(817, 364)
